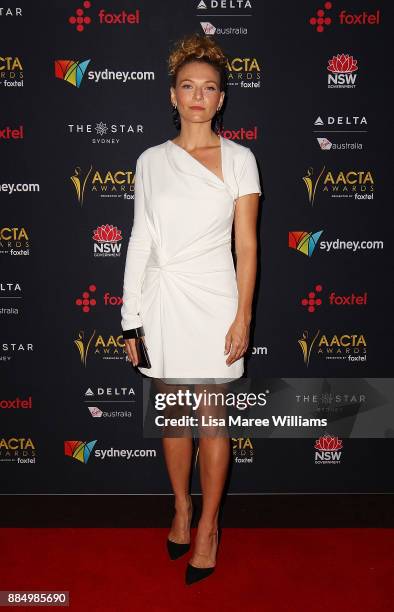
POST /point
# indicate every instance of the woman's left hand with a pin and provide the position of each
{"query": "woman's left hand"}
(237, 338)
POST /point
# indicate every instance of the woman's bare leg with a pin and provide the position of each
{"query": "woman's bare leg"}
(178, 457)
(214, 458)
(178, 453)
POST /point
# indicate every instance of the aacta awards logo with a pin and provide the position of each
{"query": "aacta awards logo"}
(107, 347)
(17, 450)
(14, 241)
(243, 72)
(327, 450)
(243, 451)
(334, 347)
(113, 184)
(356, 184)
(11, 71)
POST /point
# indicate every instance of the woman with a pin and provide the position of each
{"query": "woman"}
(181, 291)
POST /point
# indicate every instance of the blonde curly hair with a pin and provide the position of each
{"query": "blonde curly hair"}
(197, 47)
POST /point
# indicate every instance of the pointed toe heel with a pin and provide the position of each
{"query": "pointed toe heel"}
(194, 574)
(176, 550)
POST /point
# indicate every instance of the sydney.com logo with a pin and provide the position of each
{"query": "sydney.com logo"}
(73, 72)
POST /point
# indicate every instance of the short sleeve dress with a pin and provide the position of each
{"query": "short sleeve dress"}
(179, 279)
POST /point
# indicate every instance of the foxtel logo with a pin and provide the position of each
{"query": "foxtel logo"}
(322, 20)
(9, 133)
(80, 20)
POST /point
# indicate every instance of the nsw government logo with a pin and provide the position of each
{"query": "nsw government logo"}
(328, 450)
(342, 70)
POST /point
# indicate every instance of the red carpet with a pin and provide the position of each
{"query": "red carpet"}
(270, 570)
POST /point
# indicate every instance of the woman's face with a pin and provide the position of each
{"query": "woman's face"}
(197, 92)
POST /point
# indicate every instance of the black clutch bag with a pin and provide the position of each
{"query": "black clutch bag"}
(142, 352)
(141, 348)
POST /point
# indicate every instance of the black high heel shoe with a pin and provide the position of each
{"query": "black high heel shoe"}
(194, 574)
(176, 550)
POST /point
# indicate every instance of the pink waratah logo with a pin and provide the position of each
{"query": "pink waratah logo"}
(342, 63)
(328, 443)
(107, 233)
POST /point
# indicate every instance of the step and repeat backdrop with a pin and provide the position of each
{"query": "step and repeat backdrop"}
(84, 90)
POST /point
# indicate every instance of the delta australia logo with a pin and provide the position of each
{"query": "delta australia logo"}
(122, 398)
(226, 5)
(340, 125)
(212, 30)
(10, 296)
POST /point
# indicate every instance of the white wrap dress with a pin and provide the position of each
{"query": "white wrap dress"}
(179, 278)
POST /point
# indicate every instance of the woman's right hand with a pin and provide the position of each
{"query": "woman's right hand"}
(131, 350)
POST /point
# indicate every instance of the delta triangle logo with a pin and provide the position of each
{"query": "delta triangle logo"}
(71, 71)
